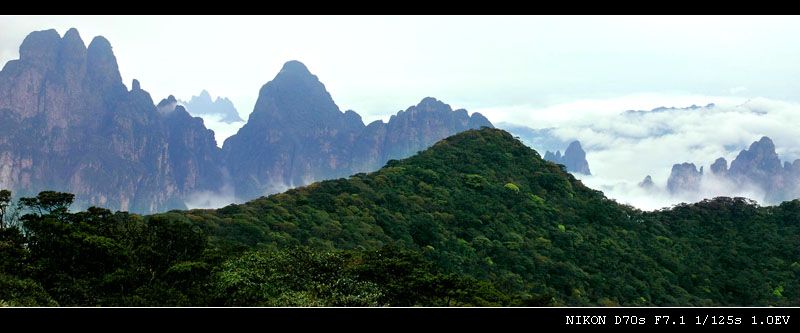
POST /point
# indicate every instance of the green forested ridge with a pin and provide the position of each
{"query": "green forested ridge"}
(478, 219)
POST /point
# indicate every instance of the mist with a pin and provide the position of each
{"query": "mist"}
(624, 147)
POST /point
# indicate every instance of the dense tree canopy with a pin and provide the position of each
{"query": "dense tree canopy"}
(478, 219)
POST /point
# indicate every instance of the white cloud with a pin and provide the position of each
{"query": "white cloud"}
(212, 199)
(737, 90)
(222, 130)
(622, 148)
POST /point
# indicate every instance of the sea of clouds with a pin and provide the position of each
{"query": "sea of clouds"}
(624, 147)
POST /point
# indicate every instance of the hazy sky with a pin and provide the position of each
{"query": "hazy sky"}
(378, 65)
(573, 73)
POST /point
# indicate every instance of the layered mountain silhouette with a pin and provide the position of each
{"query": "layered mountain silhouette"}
(477, 219)
(70, 124)
(203, 105)
(757, 167)
(574, 158)
(297, 135)
(543, 139)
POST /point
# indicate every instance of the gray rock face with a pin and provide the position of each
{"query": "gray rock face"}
(296, 135)
(684, 178)
(758, 166)
(542, 140)
(759, 163)
(647, 183)
(202, 105)
(720, 167)
(69, 124)
(574, 158)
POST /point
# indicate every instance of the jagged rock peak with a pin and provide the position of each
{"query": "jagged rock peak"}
(432, 104)
(202, 105)
(135, 85)
(477, 120)
(647, 182)
(203, 97)
(41, 48)
(169, 100)
(167, 105)
(101, 62)
(684, 178)
(719, 167)
(765, 145)
(574, 148)
(72, 46)
(574, 158)
(758, 161)
(295, 68)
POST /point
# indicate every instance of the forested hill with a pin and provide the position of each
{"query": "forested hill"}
(477, 219)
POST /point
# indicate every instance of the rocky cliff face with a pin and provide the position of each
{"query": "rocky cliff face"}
(720, 167)
(647, 183)
(202, 105)
(574, 158)
(297, 135)
(757, 167)
(760, 165)
(684, 178)
(70, 124)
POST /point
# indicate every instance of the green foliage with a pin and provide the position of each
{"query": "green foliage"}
(512, 186)
(48, 202)
(23, 292)
(478, 219)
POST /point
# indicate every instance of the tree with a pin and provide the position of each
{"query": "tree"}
(48, 202)
(5, 200)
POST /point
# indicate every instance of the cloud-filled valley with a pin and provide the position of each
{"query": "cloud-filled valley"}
(625, 146)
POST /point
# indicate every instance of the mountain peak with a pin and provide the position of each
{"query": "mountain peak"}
(758, 163)
(202, 105)
(720, 166)
(72, 34)
(41, 48)
(574, 158)
(294, 67)
(101, 46)
(297, 97)
(101, 64)
(575, 148)
(432, 104)
(765, 144)
(477, 120)
(647, 183)
(684, 178)
(167, 105)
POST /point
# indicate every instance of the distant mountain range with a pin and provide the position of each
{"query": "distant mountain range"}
(574, 158)
(757, 168)
(477, 219)
(542, 139)
(70, 124)
(202, 105)
(297, 135)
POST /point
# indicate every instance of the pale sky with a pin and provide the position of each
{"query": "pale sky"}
(378, 65)
(574, 73)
